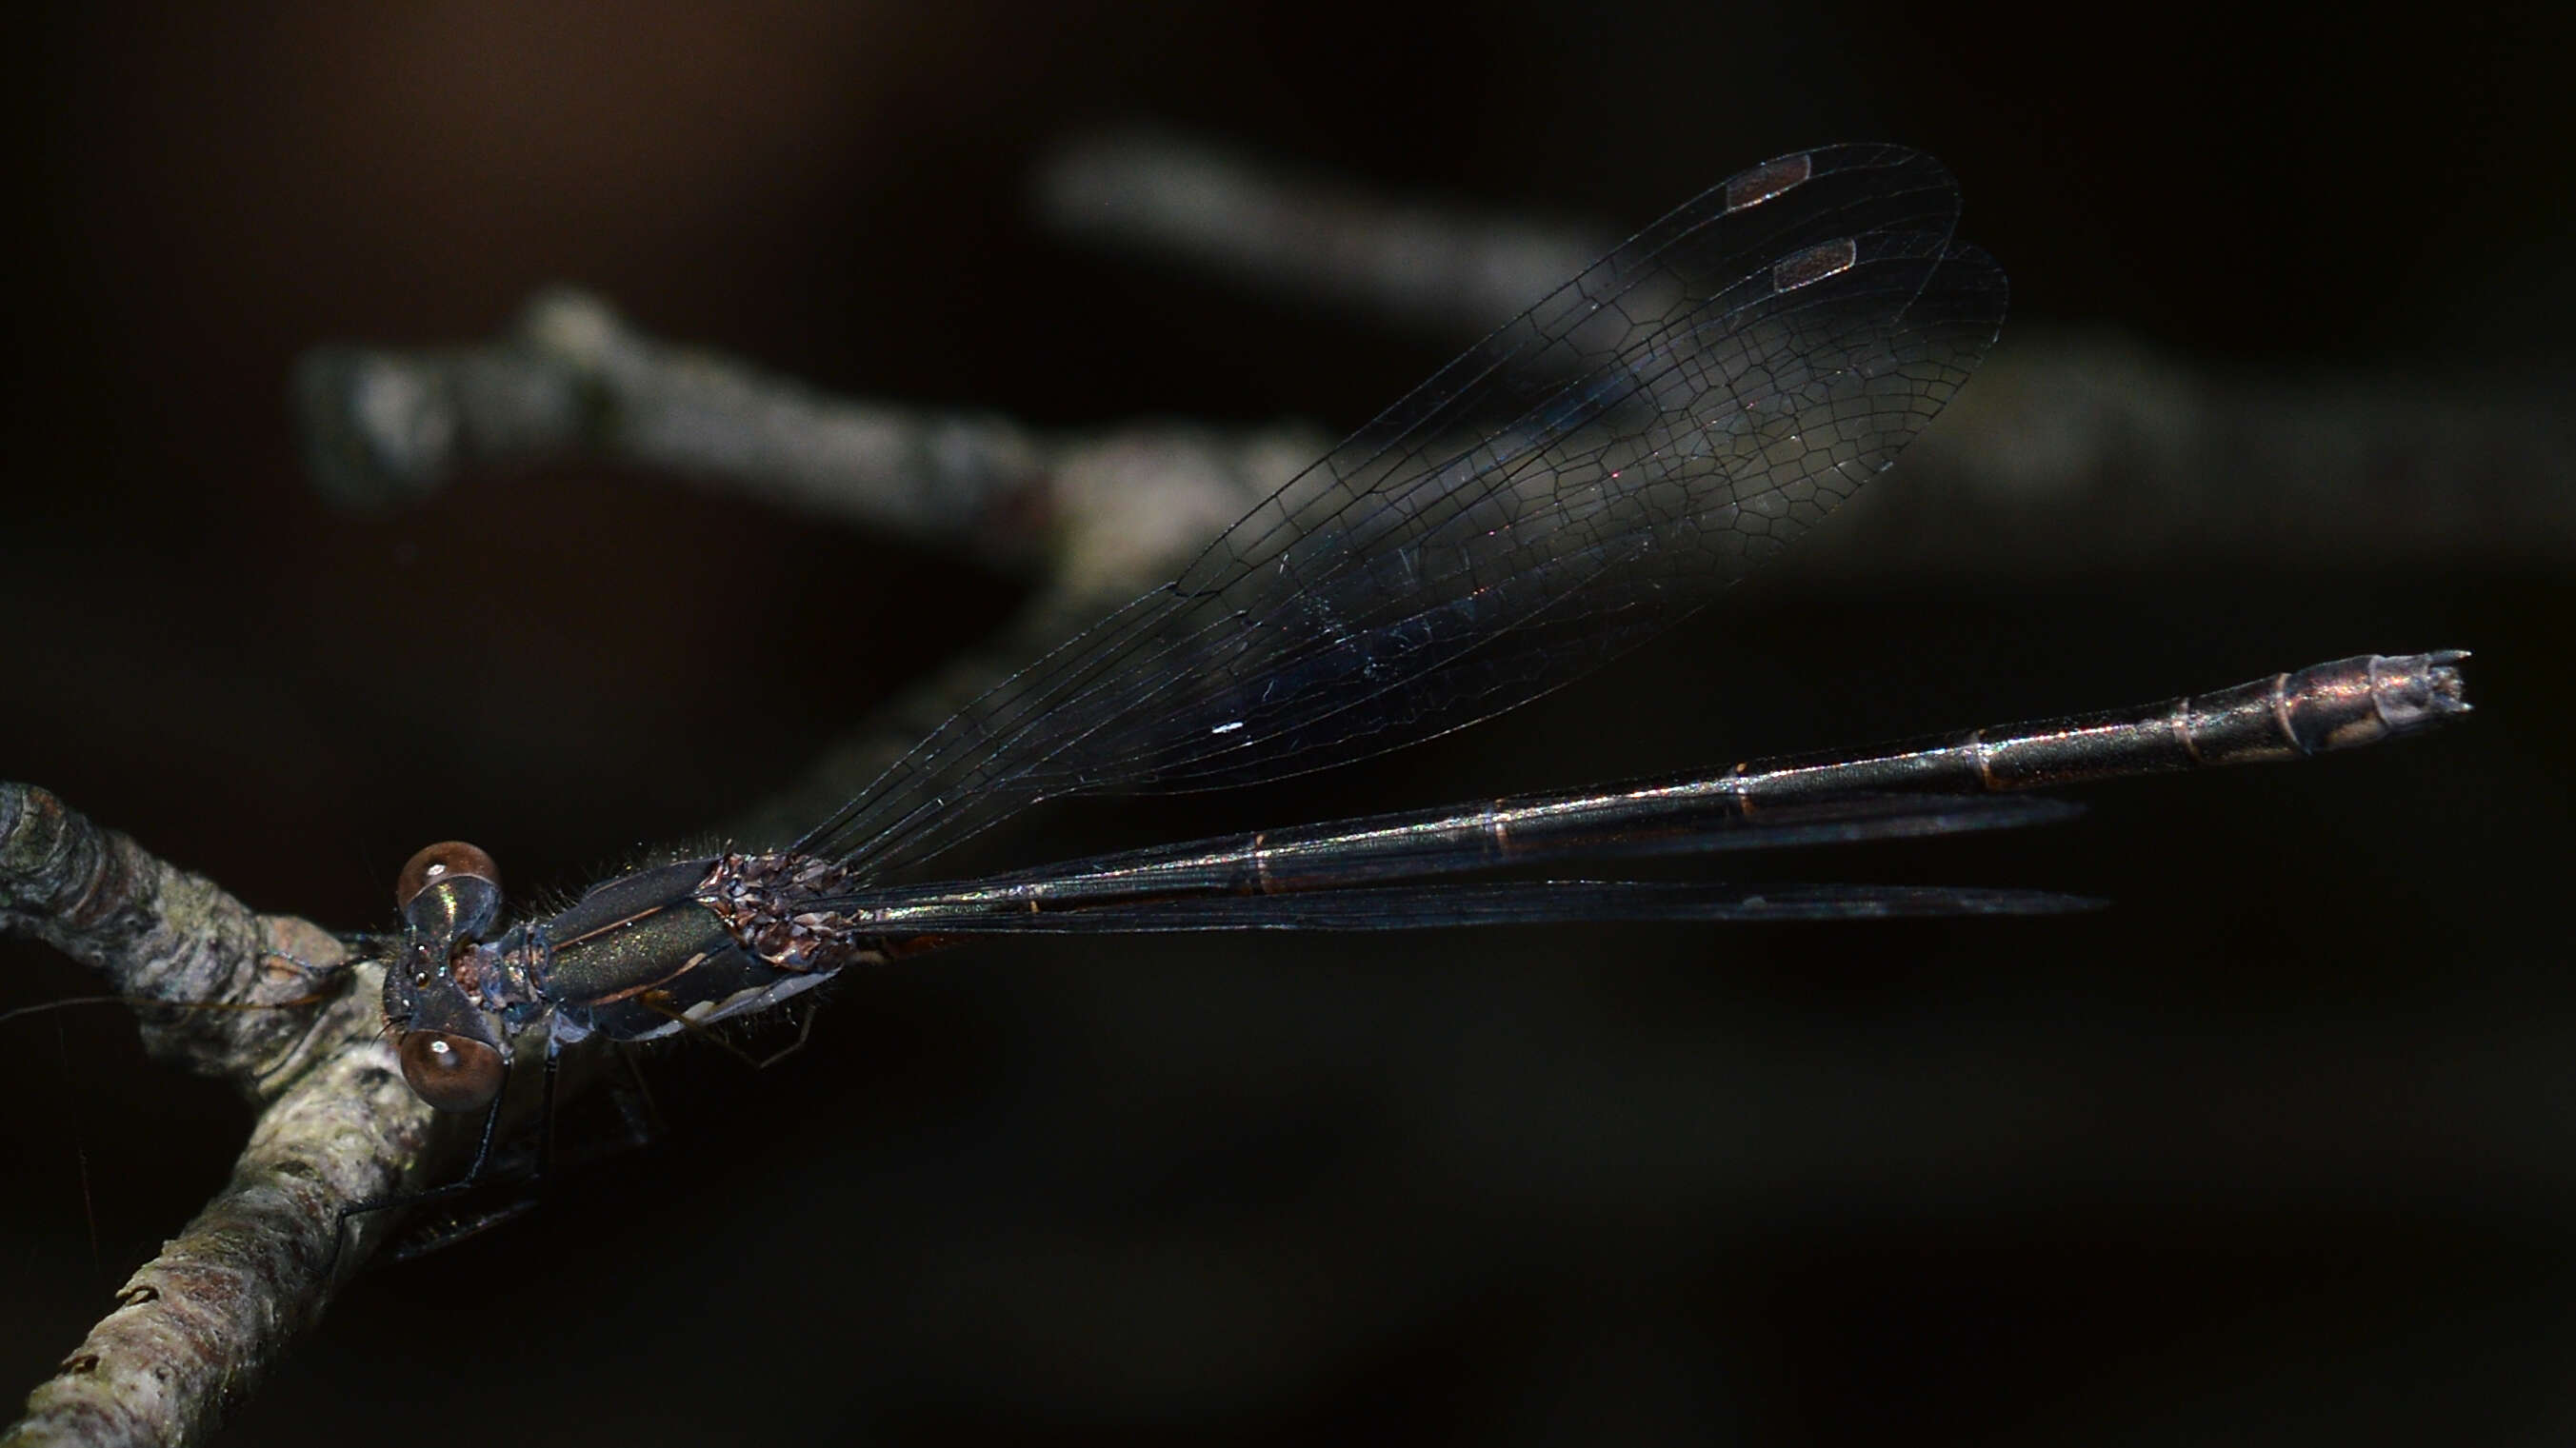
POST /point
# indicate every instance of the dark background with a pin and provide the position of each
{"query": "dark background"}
(2281, 1148)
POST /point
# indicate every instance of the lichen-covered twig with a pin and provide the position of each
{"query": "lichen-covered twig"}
(157, 933)
(271, 1004)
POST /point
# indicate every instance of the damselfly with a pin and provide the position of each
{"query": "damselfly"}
(1597, 469)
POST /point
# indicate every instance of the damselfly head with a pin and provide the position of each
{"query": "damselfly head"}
(450, 897)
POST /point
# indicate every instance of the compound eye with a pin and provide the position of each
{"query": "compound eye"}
(452, 1072)
(441, 862)
(451, 890)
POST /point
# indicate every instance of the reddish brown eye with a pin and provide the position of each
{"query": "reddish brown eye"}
(451, 1072)
(450, 892)
(444, 861)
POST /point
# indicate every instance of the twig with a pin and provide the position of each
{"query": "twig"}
(196, 1328)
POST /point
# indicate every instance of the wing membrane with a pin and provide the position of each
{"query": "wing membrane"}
(1524, 902)
(1622, 823)
(1593, 471)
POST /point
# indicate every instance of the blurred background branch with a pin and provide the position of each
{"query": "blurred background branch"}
(2075, 451)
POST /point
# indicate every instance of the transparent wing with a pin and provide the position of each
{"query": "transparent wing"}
(1522, 902)
(1593, 471)
(1417, 845)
